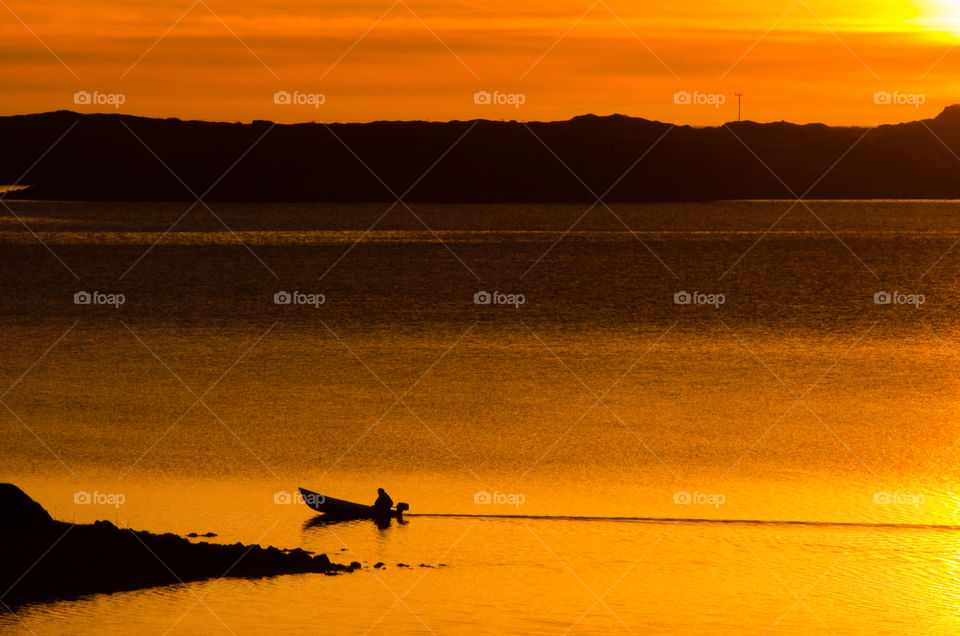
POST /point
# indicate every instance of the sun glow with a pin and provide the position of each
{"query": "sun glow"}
(941, 15)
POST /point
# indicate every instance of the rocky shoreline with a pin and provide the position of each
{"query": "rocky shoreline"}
(42, 559)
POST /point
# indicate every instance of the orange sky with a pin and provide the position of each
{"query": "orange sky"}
(796, 60)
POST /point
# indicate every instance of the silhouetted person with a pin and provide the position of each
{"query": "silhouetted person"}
(383, 503)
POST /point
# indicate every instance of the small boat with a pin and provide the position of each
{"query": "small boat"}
(341, 509)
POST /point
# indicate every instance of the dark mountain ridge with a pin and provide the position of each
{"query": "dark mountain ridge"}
(70, 156)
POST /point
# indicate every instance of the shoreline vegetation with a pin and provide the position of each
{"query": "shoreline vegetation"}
(65, 155)
(42, 559)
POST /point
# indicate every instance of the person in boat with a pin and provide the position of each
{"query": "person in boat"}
(383, 503)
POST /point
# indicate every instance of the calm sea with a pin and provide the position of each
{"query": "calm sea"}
(738, 417)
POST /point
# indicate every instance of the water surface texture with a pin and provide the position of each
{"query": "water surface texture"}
(778, 455)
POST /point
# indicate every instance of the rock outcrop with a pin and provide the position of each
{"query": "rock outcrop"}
(42, 559)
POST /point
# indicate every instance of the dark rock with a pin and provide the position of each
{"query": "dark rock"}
(378, 564)
(42, 559)
(19, 510)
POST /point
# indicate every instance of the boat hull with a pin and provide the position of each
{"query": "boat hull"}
(342, 509)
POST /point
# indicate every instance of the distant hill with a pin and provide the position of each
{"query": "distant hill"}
(101, 159)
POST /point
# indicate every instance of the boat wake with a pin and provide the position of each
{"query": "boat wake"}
(687, 520)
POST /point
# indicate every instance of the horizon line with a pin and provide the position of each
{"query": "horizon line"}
(454, 121)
